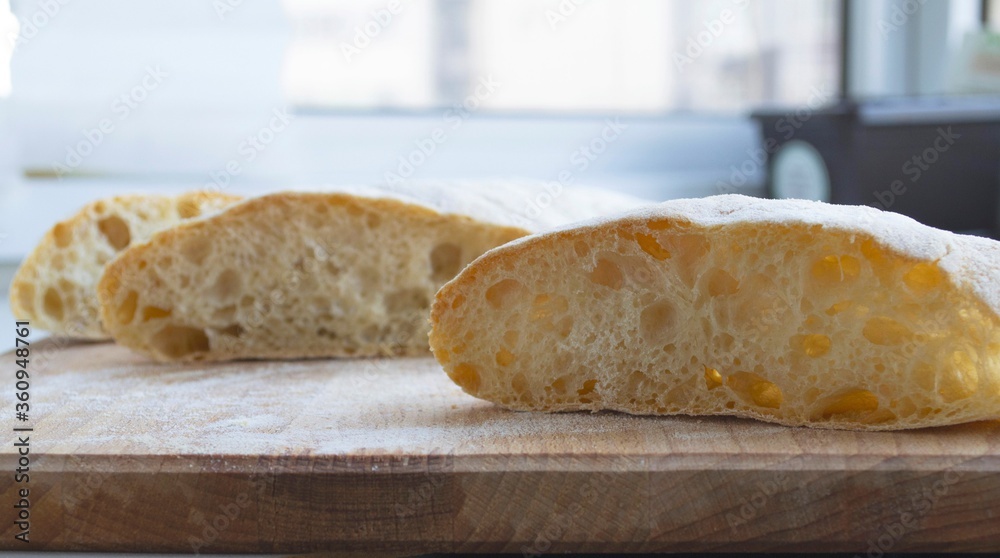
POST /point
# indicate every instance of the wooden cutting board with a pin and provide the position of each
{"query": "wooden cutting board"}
(389, 455)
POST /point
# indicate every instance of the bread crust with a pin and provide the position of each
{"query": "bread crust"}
(55, 285)
(969, 276)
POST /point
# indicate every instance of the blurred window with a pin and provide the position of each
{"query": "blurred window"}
(561, 55)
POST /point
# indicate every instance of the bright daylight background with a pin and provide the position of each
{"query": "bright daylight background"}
(109, 96)
(599, 56)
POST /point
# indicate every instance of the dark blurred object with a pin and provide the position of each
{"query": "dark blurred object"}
(936, 160)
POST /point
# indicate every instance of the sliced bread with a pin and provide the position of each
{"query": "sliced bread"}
(55, 287)
(794, 312)
(314, 274)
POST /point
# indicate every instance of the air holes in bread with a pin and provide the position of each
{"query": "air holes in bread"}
(52, 303)
(608, 274)
(466, 376)
(115, 231)
(504, 292)
(849, 404)
(228, 286)
(125, 312)
(721, 283)
(812, 345)
(923, 277)
(63, 234)
(651, 246)
(657, 322)
(175, 341)
(755, 390)
(881, 330)
(836, 269)
(155, 313)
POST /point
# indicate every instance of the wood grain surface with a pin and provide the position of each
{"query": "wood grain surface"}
(389, 455)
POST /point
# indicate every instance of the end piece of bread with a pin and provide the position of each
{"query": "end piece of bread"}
(56, 285)
(300, 274)
(793, 312)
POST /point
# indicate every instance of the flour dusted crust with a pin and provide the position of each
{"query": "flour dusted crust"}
(794, 312)
(55, 287)
(349, 272)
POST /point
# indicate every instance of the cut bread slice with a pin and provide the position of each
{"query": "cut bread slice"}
(794, 312)
(299, 274)
(56, 286)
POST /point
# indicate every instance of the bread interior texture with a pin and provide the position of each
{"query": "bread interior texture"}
(791, 323)
(290, 276)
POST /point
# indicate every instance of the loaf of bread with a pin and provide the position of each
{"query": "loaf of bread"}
(55, 287)
(300, 274)
(794, 312)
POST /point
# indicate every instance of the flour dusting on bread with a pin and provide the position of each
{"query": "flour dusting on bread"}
(794, 312)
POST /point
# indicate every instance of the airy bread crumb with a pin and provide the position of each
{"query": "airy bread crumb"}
(793, 312)
(55, 287)
(311, 274)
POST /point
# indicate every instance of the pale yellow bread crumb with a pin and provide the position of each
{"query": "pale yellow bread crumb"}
(316, 274)
(55, 287)
(792, 312)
